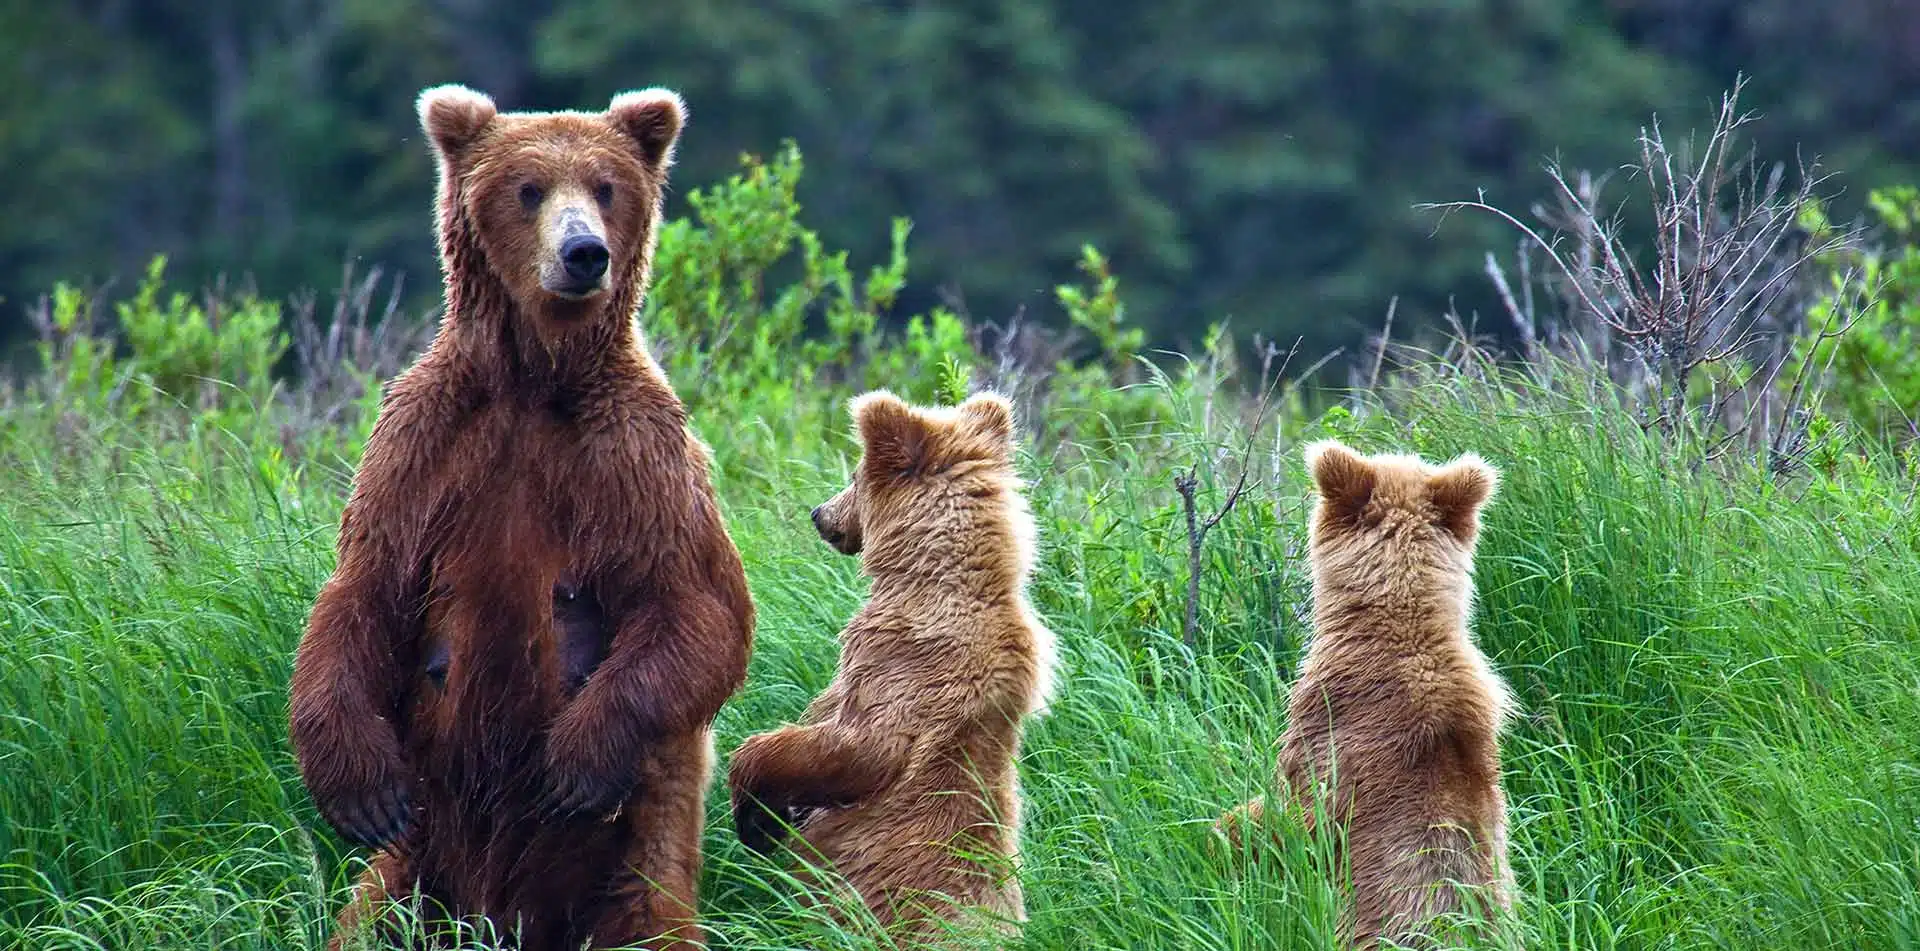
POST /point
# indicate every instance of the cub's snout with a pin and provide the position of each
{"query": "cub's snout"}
(832, 533)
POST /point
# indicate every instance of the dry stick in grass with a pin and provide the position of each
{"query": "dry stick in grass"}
(1380, 352)
(1188, 483)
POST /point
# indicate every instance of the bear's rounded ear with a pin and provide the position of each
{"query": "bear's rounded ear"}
(1459, 490)
(1343, 479)
(453, 116)
(893, 437)
(652, 119)
(989, 415)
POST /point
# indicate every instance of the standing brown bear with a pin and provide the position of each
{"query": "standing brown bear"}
(902, 774)
(1395, 720)
(507, 683)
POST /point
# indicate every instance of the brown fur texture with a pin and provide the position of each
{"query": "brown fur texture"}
(507, 683)
(1393, 726)
(902, 775)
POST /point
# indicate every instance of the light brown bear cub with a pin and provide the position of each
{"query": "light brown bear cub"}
(1395, 720)
(901, 775)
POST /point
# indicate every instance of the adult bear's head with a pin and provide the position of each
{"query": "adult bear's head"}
(556, 212)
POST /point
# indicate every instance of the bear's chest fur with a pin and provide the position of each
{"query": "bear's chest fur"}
(538, 485)
(541, 529)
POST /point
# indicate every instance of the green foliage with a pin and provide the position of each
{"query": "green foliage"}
(79, 362)
(218, 353)
(1115, 390)
(718, 325)
(1238, 160)
(180, 346)
(1716, 666)
(1098, 311)
(1873, 378)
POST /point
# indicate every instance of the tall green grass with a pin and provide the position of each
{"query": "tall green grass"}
(1719, 669)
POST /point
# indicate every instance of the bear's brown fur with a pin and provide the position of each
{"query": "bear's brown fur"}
(902, 774)
(1393, 726)
(507, 683)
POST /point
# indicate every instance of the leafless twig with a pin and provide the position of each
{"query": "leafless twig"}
(1380, 352)
(364, 334)
(1523, 320)
(1188, 484)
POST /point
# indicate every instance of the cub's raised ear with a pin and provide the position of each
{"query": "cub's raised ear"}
(1459, 490)
(894, 437)
(453, 117)
(989, 416)
(1344, 480)
(652, 119)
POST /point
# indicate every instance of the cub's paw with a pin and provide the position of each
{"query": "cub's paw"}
(1232, 826)
(761, 827)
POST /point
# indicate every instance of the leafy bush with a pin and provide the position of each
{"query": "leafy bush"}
(210, 353)
(715, 321)
(1873, 377)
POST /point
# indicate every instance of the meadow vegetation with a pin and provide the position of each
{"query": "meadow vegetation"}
(1711, 616)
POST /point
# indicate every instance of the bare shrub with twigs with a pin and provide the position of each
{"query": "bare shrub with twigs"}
(1701, 326)
(365, 338)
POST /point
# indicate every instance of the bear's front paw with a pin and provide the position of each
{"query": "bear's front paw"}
(585, 777)
(760, 826)
(576, 793)
(371, 814)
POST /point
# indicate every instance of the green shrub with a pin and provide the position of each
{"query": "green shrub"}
(1873, 377)
(185, 348)
(211, 354)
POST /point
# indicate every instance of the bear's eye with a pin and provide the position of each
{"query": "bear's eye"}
(603, 193)
(530, 195)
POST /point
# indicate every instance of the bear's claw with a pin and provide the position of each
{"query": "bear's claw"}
(759, 826)
(373, 820)
(573, 794)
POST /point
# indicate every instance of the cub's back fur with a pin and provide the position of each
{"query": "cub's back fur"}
(1394, 723)
(902, 773)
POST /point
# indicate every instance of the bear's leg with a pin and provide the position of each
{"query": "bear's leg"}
(388, 881)
(1250, 814)
(652, 901)
(775, 774)
(1436, 868)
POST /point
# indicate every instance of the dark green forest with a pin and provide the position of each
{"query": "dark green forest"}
(1255, 162)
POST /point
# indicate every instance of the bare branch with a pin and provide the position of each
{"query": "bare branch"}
(1188, 483)
(1723, 279)
(1380, 352)
(1522, 320)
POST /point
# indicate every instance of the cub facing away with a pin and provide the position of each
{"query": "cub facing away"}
(1395, 719)
(901, 775)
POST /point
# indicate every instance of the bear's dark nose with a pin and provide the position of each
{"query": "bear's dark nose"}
(585, 257)
(827, 535)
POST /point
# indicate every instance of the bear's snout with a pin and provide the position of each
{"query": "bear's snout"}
(842, 541)
(828, 533)
(584, 257)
